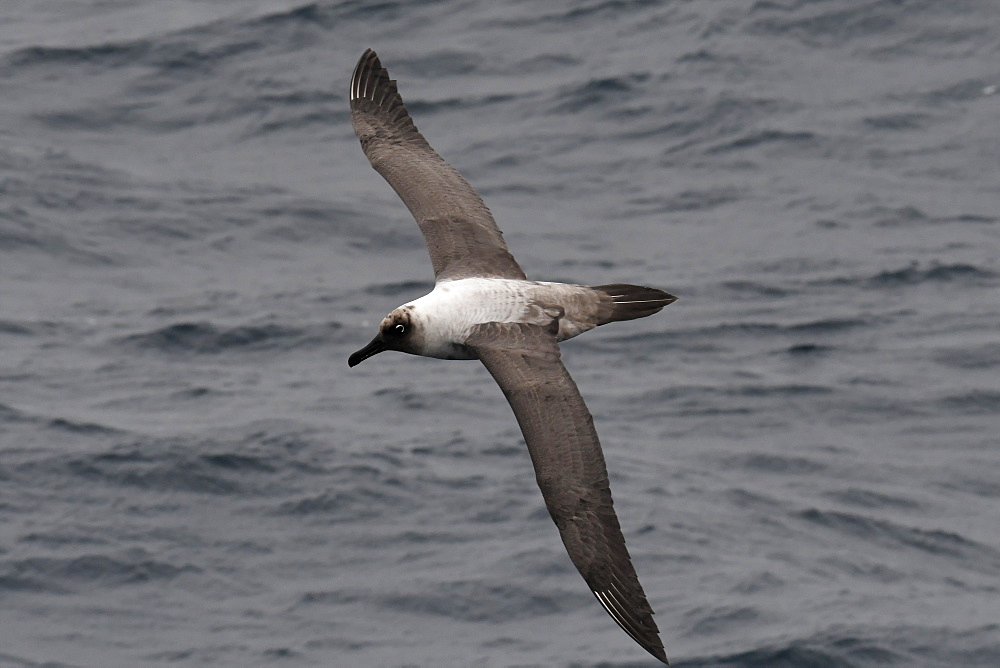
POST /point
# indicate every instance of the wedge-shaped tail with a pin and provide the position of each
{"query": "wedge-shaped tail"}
(628, 302)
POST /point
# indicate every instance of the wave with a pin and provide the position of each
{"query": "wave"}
(166, 466)
(483, 602)
(914, 274)
(866, 498)
(31, 328)
(773, 463)
(824, 27)
(686, 200)
(47, 195)
(574, 15)
(767, 137)
(151, 73)
(358, 492)
(972, 402)
(194, 47)
(102, 56)
(699, 121)
(601, 93)
(204, 338)
(87, 572)
(350, 505)
(804, 654)
(755, 288)
(891, 534)
(808, 350)
(11, 415)
(970, 357)
(872, 645)
(906, 216)
(700, 336)
(898, 121)
(400, 289)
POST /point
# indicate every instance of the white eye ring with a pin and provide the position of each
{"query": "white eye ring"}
(400, 328)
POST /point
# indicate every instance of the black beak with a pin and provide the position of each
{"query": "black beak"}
(373, 348)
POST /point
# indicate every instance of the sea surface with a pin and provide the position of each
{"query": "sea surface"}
(804, 449)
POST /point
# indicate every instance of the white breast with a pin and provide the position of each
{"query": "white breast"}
(447, 314)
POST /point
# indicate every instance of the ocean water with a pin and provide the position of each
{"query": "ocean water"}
(804, 449)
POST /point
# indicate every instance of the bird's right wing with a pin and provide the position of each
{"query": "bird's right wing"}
(461, 235)
(569, 467)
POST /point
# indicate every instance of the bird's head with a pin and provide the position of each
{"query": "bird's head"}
(398, 331)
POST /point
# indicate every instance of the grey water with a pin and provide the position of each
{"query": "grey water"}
(804, 449)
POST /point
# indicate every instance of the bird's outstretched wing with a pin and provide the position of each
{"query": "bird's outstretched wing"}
(461, 235)
(569, 467)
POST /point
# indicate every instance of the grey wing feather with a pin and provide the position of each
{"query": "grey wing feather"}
(569, 467)
(461, 235)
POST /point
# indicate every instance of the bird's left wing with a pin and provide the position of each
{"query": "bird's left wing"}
(569, 467)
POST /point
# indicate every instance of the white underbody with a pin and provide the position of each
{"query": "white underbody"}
(445, 316)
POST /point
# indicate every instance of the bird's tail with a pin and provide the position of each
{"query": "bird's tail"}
(628, 302)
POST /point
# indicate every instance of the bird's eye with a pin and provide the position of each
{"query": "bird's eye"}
(400, 329)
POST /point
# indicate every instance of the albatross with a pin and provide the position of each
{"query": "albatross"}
(484, 307)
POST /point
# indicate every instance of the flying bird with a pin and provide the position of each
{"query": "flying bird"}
(484, 307)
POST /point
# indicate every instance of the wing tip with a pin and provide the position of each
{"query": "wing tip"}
(374, 93)
(369, 68)
(647, 638)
